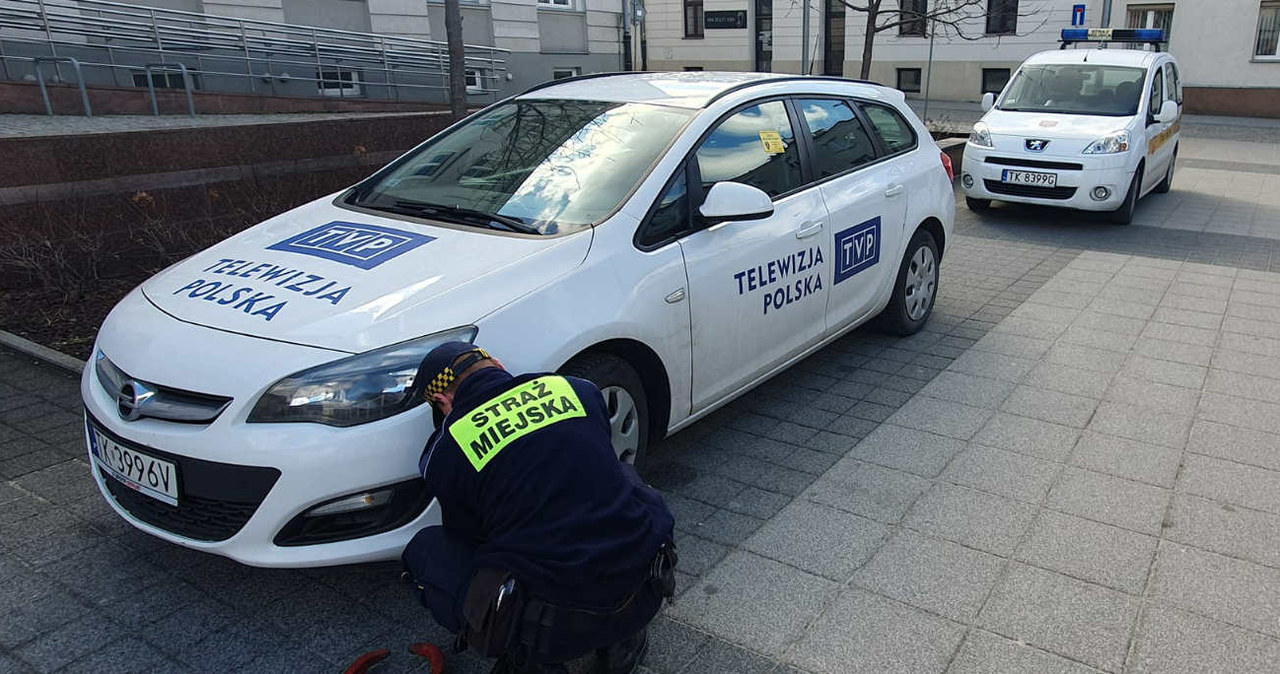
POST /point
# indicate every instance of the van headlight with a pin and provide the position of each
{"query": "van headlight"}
(1111, 143)
(981, 136)
(355, 390)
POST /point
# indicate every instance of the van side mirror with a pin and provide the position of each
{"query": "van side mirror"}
(988, 101)
(1168, 112)
(736, 201)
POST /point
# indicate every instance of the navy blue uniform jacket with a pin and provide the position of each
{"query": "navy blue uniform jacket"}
(555, 507)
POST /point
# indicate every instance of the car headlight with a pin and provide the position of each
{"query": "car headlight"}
(355, 390)
(981, 135)
(1110, 144)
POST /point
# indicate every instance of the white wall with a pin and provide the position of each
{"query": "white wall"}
(1213, 42)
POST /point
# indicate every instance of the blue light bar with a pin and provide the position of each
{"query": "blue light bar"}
(1113, 35)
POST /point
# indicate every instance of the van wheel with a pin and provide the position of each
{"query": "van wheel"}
(1124, 214)
(977, 204)
(624, 401)
(1167, 184)
(916, 288)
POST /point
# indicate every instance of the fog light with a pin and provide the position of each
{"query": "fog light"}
(967, 180)
(351, 503)
(1100, 193)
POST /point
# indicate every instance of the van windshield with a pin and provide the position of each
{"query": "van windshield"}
(533, 166)
(1075, 89)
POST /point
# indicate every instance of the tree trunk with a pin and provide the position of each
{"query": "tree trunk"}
(869, 39)
(457, 59)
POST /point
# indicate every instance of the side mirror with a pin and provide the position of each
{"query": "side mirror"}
(735, 201)
(1168, 112)
(988, 101)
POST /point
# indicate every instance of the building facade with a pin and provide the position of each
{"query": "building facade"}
(1227, 48)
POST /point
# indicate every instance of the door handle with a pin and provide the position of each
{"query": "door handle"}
(893, 190)
(808, 229)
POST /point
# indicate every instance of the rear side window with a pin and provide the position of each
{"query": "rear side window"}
(755, 146)
(896, 133)
(840, 141)
(1157, 93)
(1175, 85)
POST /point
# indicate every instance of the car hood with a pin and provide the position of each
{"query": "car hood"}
(334, 278)
(1083, 128)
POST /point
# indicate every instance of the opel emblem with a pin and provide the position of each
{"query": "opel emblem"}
(132, 398)
(1036, 144)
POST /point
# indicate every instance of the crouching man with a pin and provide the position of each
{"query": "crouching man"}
(553, 556)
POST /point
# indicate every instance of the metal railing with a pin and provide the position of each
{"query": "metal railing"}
(112, 37)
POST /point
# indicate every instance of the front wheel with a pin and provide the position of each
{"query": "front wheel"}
(624, 400)
(1124, 214)
(916, 287)
(1167, 184)
(977, 204)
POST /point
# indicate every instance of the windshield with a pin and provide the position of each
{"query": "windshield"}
(1075, 89)
(539, 166)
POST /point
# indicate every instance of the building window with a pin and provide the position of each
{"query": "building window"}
(994, 79)
(693, 69)
(909, 80)
(1268, 43)
(338, 82)
(912, 18)
(559, 4)
(1002, 17)
(693, 18)
(565, 73)
(476, 80)
(1151, 16)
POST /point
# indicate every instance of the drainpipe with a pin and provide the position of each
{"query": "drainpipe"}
(626, 34)
(1106, 13)
(804, 41)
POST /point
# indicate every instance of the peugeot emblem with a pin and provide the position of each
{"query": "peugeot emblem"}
(132, 398)
(1036, 144)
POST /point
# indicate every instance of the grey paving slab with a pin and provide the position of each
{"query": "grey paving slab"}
(987, 653)
(749, 599)
(1219, 527)
(1231, 482)
(878, 493)
(721, 656)
(818, 539)
(940, 417)
(1111, 500)
(1037, 438)
(1129, 459)
(1165, 398)
(672, 645)
(1086, 357)
(994, 365)
(938, 576)
(1067, 379)
(1165, 371)
(968, 389)
(1229, 590)
(911, 450)
(1179, 642)
(1069, 617)
(1093, 338)
(1001, 472)
(1052, 406)
(977, 519)
(1141, 423)
(1241, 445)
(867, 634)
(1098, 553)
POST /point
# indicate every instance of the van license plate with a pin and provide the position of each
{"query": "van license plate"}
(1029, 178)
(142, 473)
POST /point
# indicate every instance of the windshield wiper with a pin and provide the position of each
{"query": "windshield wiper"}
(458, 214)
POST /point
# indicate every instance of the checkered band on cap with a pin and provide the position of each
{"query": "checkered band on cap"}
(442, 381)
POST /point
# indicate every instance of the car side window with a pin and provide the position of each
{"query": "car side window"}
(895, 132)
(670, 216)
(1157, 93)
(840, 141)
(1175, 86)
(755, 146)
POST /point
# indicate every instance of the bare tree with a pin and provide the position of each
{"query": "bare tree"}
(954, 17)
(457, 59)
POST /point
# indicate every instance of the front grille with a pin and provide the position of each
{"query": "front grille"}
(1035, 163)
(215, 500)
(136, 399)
(997, 187)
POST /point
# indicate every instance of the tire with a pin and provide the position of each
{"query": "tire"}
(977, 204)
(1167, 184)
(915, 289)
(624, 398)
(1124, 214)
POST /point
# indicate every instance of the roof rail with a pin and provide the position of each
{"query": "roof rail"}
(578, 78)
(790, 78)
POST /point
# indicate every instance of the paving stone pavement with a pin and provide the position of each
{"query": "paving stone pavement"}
(1074, 468)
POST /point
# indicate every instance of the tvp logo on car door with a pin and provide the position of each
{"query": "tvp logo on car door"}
(857, 248)
(363, 246)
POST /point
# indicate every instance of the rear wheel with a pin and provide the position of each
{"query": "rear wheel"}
(977, 204)
(1167, 184)
(624, 399)
(916, 287)
(1124, 214)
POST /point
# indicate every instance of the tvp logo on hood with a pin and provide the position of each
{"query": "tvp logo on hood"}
(363, 246)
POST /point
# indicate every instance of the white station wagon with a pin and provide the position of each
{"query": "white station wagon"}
(676, 238)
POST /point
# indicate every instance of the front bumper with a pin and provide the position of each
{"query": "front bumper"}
(1078, 176)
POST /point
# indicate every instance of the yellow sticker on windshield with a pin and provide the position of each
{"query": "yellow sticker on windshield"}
(772, 141)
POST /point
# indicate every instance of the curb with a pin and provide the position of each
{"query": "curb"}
(44, 353)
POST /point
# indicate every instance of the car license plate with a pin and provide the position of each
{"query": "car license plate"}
(140, 472)
(1030, 178)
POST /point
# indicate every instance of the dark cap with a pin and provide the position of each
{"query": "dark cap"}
(437, 370)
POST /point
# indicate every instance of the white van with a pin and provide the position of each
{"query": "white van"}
(1090, 129)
